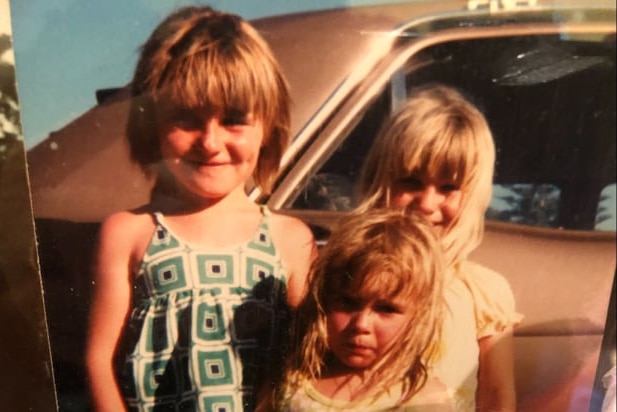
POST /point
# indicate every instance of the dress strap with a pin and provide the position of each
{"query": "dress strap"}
(265, 211)
(265, 217)
(159, 219)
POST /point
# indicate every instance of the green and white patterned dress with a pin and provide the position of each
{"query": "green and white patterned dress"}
(204, 325)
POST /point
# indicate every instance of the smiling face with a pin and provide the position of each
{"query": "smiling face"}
(436, 156)
(361, 332)
(207, 62)
(210, 155)
(438, 199)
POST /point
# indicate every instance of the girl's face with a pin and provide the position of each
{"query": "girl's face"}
(438, 199)
(211, 156)
(361, 332)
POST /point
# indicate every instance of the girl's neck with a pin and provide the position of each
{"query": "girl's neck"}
(343, 383)
(172, 199)
(219, 224)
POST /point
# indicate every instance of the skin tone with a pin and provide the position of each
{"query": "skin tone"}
(210, 157)
(438, 199)
(441, 200)
(360, 332)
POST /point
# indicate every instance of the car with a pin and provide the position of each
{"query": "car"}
(543, 72)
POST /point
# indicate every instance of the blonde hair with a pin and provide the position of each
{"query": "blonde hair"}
(378, 254)
(439, 134)
(200, 59)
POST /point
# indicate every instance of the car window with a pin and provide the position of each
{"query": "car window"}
(550, 102)
(606, 216)
(333, 187)
(525, 203)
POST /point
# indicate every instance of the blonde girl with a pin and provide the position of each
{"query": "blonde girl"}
(193, 289)
(369, 320)
(436, 156)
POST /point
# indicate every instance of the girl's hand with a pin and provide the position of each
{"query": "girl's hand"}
(496, 391)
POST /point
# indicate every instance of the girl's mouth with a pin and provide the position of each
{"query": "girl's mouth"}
(207, 164)
(358, 348)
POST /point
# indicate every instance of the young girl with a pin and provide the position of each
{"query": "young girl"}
(192, 290)
(372, 311)
(436, 156)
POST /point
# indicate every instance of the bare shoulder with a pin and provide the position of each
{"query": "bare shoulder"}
(126, 232)
(126, 223)
(291, 229)
(293, 239)
(296, 244)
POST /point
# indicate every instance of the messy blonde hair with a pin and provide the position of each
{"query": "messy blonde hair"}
(380, 254)
(202, 60)
(439, 134)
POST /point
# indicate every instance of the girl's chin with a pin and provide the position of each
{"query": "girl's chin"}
(439, 229)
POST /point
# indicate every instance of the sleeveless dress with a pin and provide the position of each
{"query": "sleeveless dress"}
(205, 323)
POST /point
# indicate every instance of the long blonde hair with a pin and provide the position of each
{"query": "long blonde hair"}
(202, 60)
(437, 133)
(378, 254)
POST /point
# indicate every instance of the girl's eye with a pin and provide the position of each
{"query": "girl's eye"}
(448, 188)
(346, 304)
(235, 118)
(387, 308)
(411, 184)
(187, 121)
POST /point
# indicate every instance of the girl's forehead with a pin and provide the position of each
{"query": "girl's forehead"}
(372, 287)
(433, 166)
(205, 108)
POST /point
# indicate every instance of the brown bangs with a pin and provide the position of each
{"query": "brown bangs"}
(372, 278)
(202, 61)
(212, 81)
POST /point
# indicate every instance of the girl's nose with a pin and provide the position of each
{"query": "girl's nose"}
(210, 139)
(361, 320)
(429, 200)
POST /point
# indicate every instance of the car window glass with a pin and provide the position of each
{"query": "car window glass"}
(606, 216)
(550, 103)
(524, 203)
(333, 186)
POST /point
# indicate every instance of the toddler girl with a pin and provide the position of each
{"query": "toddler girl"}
(192, 290)
(436, 156)
(368, 322)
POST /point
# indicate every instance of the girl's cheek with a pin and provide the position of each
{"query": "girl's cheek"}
(400, 200)
(453, 204)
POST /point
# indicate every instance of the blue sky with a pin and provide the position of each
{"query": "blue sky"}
(66, 49)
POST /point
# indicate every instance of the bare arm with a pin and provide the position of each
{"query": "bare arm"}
(298, 250)
(109, 309)
(496, 390)
(296, 244)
